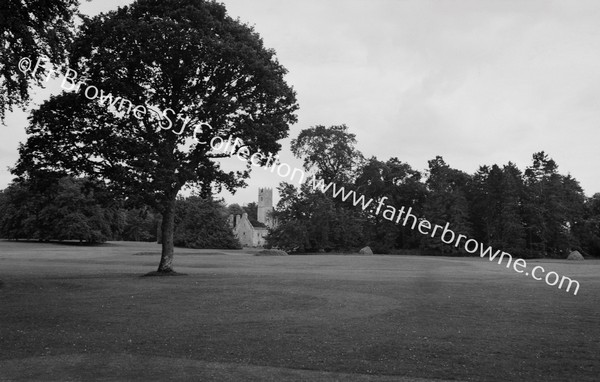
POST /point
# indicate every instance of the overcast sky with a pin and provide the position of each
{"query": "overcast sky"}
(477, 82)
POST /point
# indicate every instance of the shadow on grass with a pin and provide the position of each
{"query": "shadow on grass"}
(147, 254)
(64, 242)
(163, 274)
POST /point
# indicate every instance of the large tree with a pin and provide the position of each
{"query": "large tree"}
(31, 30)
(195, 72)
(400, 185)
(446, 202)
(330, 151)
(495, 197)
(553, 205)
(308, 218)
(588, 229)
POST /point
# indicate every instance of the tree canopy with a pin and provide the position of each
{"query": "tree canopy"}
(202, 223)
(308, 219)
(64, 210)
(330, 151)
(31, 30)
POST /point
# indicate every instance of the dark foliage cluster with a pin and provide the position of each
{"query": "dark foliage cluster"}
(31, 29)
(202, 223)
(75, 209)
(57, 210)
(251, 209)
(535, 213)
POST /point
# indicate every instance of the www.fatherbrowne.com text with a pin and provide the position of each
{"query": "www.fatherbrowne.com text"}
(447, 236)
(406, 217)
(390, 213)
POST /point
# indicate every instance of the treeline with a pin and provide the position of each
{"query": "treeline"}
(69, 209)
(533, 213)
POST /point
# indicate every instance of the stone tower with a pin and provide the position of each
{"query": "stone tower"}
(265, 205)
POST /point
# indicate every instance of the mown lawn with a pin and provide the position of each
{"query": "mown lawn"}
(71, 312)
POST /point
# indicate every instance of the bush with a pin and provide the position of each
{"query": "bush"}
(201, 223)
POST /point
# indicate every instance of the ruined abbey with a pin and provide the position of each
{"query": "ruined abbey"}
(253, 235)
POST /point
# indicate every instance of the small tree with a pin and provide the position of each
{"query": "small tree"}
(200, 223)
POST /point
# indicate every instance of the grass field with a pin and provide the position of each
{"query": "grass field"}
(72, 312)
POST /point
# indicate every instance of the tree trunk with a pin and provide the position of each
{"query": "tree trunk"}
(167, 228)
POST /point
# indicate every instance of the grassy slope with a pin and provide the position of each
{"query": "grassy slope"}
(84, 312)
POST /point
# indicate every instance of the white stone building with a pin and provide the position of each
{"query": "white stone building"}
(251, 235)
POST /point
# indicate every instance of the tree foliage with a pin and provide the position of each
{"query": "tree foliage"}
(446, 202)
(329, 151)
(140, 224)
(202, 223)
(538, 213)
(312, 221)
(587, 230)
(553, 205)
(62, 211)
(496, 196)
(308, 219)
(235, 209)
(400, 185)
(69, 209)
(34, 30)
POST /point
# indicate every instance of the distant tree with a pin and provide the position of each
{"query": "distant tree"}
(235, 209)
(495, 197)
(446, 203)
(184, 57)
(512, 236)
(200, 223)
(330, 151)
(16, 207)
(554, 204)
(32, 30)
(63, 211)
(310, 220)
(252, 210)
(401, 186)
(73, 215)
(140, 224)
(587, 230)
(479, 201)
(537, 214)
(293, 212)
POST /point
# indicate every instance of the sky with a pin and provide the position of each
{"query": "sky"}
(476, 82)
